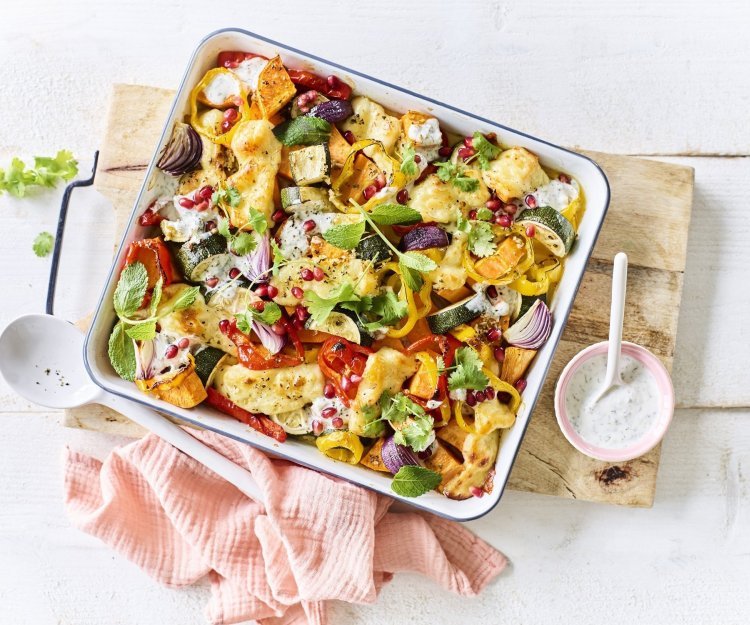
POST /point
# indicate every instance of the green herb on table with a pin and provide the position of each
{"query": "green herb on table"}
(43, 244)
(47, 172)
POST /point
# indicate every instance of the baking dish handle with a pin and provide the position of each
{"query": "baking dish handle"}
(61, 229)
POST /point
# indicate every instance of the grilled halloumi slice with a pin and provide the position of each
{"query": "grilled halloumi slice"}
(438, 201)
(514, 173)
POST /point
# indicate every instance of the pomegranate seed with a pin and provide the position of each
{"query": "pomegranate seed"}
(306, 274)
(472, 214)
(302, 313)
(212, 282)
(380, 181)
(370, 191)
(511, 209)
(317, 427)
(479, 396)
(417, 159)
(231, 115)
(210, 225)
(226, 125)
(309, 225)
(469, 142)
(471, 398)
(224, 326)
(466, 153)
(476, 491)
(158, 327)
(234, 273)
(502, 220)
(446, 150)
(318, 274)
(492, 291)
(184, 342)
(494, 334)
(499, 354)
(494, 204)
(202, 206)
(332, 81)
(298, 292)
(186, 202)
(489, 392)
(298, 324)
(279, 329)
(262, 290)
(205, 193)
(329, 412)
(530, 201)
(237, 100)
(426, 454)
(402, 197)
(350, 138)
(563, 178)
(346, 384)
(272, 291)
(260, 306)
(171, 351)
(490, 136)
(329, 391)
(278, 215)
(530, 231)
(337, 422)
(355, 378)
(520, 385)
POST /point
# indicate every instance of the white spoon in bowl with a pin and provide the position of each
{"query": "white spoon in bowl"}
(41, 358)
(616, 314)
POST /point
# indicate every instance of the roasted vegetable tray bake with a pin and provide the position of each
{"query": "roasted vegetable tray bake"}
(346, 274)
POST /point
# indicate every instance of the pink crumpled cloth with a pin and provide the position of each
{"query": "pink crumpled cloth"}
(318, 538)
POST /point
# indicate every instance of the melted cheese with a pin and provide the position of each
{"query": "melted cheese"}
(438, 201)
(370, 121)
(450, 273)
(514, 173)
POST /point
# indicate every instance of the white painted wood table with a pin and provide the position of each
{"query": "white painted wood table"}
(660, 78)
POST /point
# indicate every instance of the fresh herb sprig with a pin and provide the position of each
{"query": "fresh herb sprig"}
(480, 238)
(303, 130)
(408, 162)
(47, 172)
(270, 314)
(455, 173)
(466, 371)
(414, 481)
(43, 244)
(485, 151)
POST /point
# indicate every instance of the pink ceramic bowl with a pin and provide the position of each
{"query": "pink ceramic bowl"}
(651, 438)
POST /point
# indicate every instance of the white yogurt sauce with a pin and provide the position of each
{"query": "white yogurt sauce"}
(623, 415)
(319, 404)
(294, 241)
(556, 194)
(221, 88)
(249, 71)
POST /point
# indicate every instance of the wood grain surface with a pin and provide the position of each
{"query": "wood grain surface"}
(546, 462)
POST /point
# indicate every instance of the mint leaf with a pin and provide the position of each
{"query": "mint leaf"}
(142, 331)
(257, 220)
(320, 307)
(411, 277)
(413, 481)
(486, 151)
(130, 289)
(481, 240)
(184, 299)
(156, 297)
(43, 244)
(408, 164)
(345, 236)
(121, 352)
(390, 214)
(303, 130)
(243, 243)
(418, 261)
(468, 371)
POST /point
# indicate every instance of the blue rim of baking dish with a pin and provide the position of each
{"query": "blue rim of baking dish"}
(558, 329)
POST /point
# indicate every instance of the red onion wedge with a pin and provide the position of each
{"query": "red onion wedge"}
(270, 340)
(424, 238)
(183, 151)
(255, 265)
(396, 456)
(532, 330)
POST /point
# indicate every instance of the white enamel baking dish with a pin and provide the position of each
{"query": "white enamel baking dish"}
(399, 100)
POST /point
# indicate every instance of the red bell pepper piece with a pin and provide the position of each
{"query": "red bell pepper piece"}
(338, 359)
(331, 87)
(259, 422)
(255, 356)
(232, 58)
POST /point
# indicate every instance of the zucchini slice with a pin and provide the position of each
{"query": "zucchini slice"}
(527, 301)
(205, 362)
(310, 165)
(337, 324)
(552, 229)
(461, 312)
(365, 338)
(299, 195)
(191, 255)
(373, 248)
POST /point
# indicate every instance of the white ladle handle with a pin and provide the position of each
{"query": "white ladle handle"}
(179, 438)
(616, 314)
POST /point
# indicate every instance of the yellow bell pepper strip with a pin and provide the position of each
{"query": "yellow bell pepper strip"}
(572, 211)
(197, 121)
(445, 412)
(458, 414)
(463, 332)
(503, 387)
(404, 294)
(430, 367)
(539, 277)
(341, 445)
(396, 178)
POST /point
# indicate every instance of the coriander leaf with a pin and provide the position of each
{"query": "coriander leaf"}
(243, 243)
(412, 278)
(130, 289)
(43, 244)
(468, 371)
(454, 173)
(412, 424)
(388, 308)
(185, 299)
(462, 224)
(223, 228)
(415, 433)
(156, 297)
(278, 258)
(345, 236)
(486, 151)
(481, 240)
(408, 164)
(226, 195)
(484, 214)
(465, 183)
(413, 481)
(397, 408)
(303, 130)
(142, 331)
(418, 261)
(270, 314)
(121, 352)
(320, 307)
(257, 220)
(440, 364)
(244, 324)
(48, 171)
(390, 214)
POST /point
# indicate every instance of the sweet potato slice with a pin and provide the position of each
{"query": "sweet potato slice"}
(275, 88)
(365, 173)
(508, 254)
(517, 361)
(188, 393)
(373, 458)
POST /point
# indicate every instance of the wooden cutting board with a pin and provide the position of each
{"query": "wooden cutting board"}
(648, 218)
